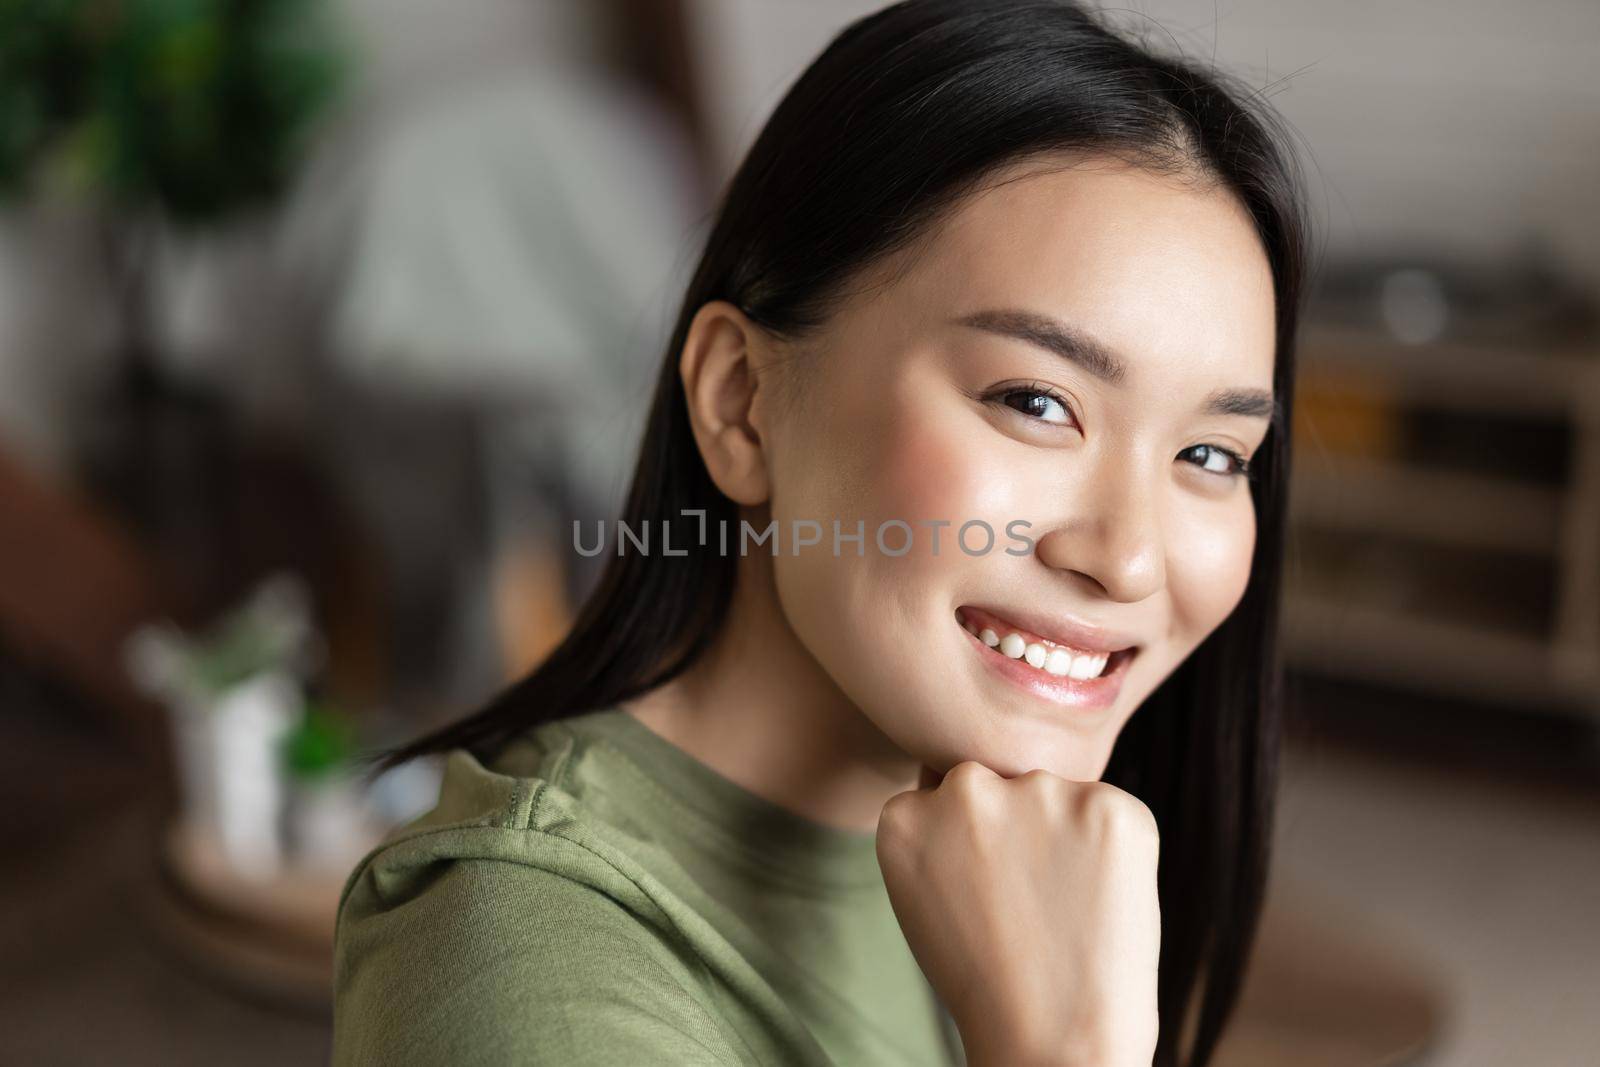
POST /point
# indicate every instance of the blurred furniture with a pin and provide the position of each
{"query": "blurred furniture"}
(532, 609)
(263, 937)
(1446, 517)
(73, 585)
(1328, 988)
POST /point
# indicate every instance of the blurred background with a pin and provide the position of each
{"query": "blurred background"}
(321, 321)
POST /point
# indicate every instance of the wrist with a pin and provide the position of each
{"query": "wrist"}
(1017, 1049)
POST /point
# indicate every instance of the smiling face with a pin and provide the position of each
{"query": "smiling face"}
(1076, 352)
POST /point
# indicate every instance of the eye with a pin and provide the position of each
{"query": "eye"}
(1233, 465)
(1037, 402)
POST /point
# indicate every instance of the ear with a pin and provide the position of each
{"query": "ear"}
(719, 363)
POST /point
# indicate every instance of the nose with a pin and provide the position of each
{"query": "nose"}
(1112, 535)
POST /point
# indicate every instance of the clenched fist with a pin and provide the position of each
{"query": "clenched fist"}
(1030, 903)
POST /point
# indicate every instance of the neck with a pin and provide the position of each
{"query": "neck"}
(758, 709)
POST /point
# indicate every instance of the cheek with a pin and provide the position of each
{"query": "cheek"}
(934, 468)
(868, 617)
(901, 470)
(1209, 567)
(923, 474)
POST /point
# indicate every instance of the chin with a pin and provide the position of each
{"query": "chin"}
(1011, 742)
(1084, 766)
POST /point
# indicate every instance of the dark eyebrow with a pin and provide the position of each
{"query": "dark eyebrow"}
(1255, 403)
(1065, 341)
(1080, 348)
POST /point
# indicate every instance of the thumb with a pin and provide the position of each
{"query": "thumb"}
(930, 778)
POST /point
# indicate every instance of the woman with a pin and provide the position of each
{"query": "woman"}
(804, 785)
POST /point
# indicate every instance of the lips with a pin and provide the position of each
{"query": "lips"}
(1082, 693)
(1049, 630)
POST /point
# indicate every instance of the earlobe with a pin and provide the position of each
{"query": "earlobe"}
(720, 387)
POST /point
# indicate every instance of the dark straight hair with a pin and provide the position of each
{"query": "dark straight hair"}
(903, 113)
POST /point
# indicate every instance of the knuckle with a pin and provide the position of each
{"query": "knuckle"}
(973, 802)
(897, 811)
(1043, 784)
(968, 773)
(1050, 795)
(969, 784)
(1138, 821)
(1119, 811)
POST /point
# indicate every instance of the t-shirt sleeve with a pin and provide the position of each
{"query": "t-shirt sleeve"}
(498, 962)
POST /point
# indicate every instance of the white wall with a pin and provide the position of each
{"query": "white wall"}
(1460, 126)
(1463, 127)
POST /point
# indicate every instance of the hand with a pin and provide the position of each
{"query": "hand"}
(1030, 903)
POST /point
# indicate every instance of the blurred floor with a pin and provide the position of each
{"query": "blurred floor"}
(85, 978)
(1472, 838)
(1482, 873)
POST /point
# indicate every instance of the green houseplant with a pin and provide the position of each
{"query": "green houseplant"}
(153, 118)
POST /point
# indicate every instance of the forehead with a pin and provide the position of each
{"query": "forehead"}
(1167, 271)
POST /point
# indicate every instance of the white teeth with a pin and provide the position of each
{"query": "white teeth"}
(1056, 661)
(1053, 660)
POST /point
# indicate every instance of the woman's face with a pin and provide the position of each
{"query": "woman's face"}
(1079, 352)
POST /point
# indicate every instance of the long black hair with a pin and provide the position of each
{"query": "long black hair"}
(904, 112)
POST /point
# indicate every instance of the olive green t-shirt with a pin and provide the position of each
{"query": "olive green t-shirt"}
(599, 896)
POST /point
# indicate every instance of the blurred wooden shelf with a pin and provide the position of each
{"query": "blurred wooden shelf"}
(1539, 379)
(1449, 507)
(271, 937)
(1378, 645)
(1368, 385)
(1329, 986)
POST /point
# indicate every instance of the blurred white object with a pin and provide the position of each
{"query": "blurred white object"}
(232, 697)
(329, 824)
(517, 240)
(1414, 306)
(228, 751)
(407, 791)
(272, 629)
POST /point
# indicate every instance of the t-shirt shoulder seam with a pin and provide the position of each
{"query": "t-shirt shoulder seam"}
(562, 759)
(520, 826)
(516, 816)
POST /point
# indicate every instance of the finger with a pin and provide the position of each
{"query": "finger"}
(930, 778)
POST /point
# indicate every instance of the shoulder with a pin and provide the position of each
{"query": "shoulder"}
(493, 961)
(485, 933)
